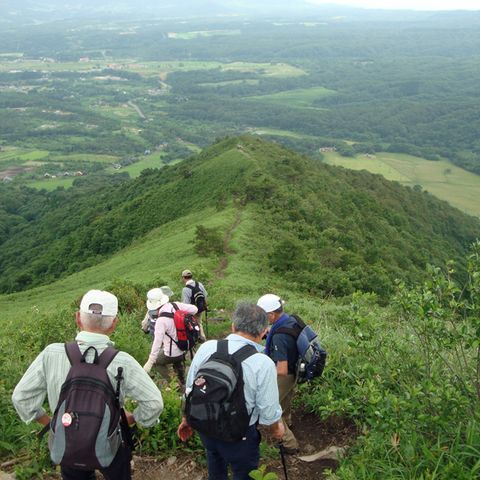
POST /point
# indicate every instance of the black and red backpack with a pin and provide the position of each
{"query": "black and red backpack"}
(188, 330)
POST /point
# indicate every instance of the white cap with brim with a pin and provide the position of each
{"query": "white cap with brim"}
(186, 273)
(270, 302)
(99, 302)
(156, 298)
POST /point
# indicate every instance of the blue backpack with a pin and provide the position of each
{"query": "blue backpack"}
(311, 356)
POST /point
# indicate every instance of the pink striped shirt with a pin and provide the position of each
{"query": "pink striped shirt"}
(164, 326)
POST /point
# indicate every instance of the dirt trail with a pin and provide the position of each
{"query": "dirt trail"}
(220, 270)
(314, 435)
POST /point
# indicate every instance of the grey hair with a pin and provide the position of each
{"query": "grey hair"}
(96, 321)
(250, 319)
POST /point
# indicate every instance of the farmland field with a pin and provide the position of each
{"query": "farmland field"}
(441, 178)
(302, 97)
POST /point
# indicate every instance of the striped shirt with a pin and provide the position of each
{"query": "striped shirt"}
(187, 292)
(47, 373)
(259, 376)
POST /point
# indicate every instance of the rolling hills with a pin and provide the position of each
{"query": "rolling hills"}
(329, 230)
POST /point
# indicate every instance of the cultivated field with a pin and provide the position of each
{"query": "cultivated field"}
(441, 178)
(301, 97)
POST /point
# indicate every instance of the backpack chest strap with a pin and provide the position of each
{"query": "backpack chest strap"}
(75, 355)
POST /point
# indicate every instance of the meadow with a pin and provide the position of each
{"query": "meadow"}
(441, 178)
(300, 98)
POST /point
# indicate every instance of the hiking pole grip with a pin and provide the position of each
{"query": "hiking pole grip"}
(282, 456)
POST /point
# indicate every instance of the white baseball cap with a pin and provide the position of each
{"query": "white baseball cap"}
(107, 302)
(270, 302)
(156, 298)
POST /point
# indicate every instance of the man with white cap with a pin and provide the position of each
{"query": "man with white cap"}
(282, 349)
(96, 319)
(165, 351)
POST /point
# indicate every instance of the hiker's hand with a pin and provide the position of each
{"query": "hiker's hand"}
(184, 431)
(148, 366)
(130, 417)
(278, 430)
(43, 420)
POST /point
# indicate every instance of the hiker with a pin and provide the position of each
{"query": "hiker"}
(258, 396)
(195, 293)
(282, 349)
(96, 319)
(165, 335)
(148, 322)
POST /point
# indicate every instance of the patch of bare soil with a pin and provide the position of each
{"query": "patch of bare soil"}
(316, 438)
(318, 442)
(174, 468)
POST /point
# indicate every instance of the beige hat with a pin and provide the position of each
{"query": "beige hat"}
(186, 273)
(167, 291)
(156, 298)
(108, 303)
(270, 302)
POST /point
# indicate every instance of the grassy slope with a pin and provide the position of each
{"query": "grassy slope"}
(163, 253)
(441, 178)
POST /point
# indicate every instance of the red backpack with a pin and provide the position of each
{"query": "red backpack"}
(187, 328)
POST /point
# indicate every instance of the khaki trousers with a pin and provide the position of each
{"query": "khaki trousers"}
(286, 385)
(178, 364)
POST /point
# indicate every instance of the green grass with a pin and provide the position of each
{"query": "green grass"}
(163, 253)
(51, 183)
(301, 97)
(248, 81)
(279, 133)
(150, 161)
(82, 157)
(441, 178)
(9, 153)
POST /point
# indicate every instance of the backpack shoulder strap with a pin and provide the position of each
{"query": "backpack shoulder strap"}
(73, 353)
(294, 330)
(169, 314)
(300, 322)
(107, 356)
(245, 352)
(222, 347)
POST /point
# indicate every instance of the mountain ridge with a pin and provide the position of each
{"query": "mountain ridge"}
(322, 228)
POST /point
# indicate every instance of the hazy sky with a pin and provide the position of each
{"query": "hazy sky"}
(407, 4)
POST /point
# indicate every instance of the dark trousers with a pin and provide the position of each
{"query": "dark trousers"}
(119, 469)
(242, 456)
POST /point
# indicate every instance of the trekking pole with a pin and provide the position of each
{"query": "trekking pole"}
(282, 456)
(206, 322)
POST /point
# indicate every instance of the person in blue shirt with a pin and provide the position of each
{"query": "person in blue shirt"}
(249, 326)
(282, 349)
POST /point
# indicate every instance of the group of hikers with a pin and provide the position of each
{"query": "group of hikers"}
(232, 386)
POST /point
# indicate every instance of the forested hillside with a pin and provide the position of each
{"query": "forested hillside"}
(325, 229)
(358, 80)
